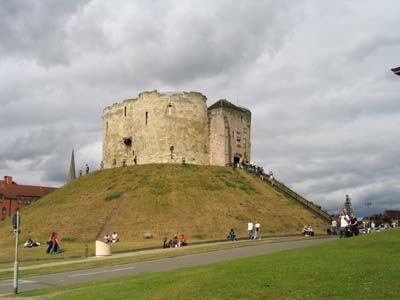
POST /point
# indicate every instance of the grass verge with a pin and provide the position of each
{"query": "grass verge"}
(365, 267)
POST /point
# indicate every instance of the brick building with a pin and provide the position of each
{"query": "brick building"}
(13, 195)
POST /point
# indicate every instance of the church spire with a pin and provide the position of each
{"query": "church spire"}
(72, 174)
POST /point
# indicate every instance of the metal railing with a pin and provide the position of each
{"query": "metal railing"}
(295, 196)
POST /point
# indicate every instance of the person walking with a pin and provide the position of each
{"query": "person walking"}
(54, 245)
(250, 227)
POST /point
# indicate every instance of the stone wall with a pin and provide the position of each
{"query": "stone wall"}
(156, 128)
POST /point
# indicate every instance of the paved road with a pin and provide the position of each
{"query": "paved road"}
(108, 272)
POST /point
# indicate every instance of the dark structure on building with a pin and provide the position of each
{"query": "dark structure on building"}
(347, 205)
(396, 71)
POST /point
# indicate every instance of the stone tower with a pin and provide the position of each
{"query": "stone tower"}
(229, 127)
(156, 128)
(174, 127)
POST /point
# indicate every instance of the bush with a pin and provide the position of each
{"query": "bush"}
(113, 196)
(69, 239)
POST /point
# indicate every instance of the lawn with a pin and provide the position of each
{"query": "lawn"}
(365, 267)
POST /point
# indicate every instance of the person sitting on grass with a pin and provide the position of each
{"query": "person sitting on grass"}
(114, 237)
(175, 240)
(165, 243)
(29, 243)
(232, 235)
(305, 231)
(310, 231)
(182, 241)
(107, 239)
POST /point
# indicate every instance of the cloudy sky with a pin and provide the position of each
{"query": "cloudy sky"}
(315, 74)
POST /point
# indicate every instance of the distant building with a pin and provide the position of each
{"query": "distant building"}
(393, 214)
(13, 195)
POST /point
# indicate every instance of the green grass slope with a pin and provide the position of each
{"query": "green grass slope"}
(203, 202)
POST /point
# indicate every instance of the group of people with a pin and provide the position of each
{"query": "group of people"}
(308, 231)
(86, 170)
(259, 171)
(111, 239)
(254, 230)
(175, 242)
(348, 226)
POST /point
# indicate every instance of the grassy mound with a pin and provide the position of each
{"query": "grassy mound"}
(203, 202)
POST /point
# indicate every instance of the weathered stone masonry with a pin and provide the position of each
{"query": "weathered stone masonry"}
(171, 127)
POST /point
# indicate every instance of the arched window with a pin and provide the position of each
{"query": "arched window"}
(3, 211)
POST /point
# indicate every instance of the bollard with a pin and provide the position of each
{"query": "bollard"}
(86, 250)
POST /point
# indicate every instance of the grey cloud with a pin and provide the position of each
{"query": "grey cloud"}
(35, 29)
(324, 102)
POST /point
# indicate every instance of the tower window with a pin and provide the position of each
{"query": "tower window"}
(125, 111)
(169, 109)
(128, 141)
(238, 138)
(147, 116)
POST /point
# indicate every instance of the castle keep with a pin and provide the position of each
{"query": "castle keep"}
(174, 127)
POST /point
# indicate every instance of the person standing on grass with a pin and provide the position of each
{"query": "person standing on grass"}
(87, 168)
(334, 227)
(344, 223)
(257, 234)
(354, 224)
(250, 229)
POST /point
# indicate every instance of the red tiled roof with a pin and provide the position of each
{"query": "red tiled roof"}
(12, 191)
